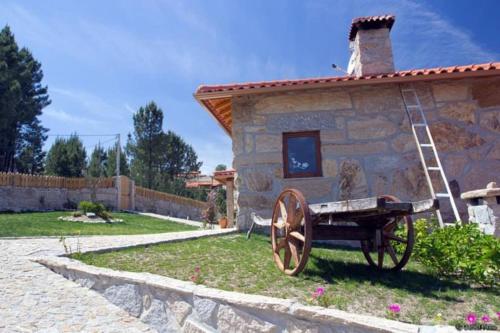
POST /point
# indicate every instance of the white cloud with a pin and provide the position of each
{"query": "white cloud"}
(65, 117)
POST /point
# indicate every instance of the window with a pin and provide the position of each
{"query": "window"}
(302, 154)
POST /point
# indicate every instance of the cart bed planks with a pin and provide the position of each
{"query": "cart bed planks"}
(383, 225)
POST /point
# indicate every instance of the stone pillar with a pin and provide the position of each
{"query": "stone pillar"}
(230, 202)
(484, 208)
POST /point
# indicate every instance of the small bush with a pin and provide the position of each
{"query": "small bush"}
(461, 251)
(94, 207)
(69, 205)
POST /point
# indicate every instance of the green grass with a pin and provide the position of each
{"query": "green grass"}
(234, 263)
(47, 224)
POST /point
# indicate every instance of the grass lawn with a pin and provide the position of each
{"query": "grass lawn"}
(47, 224)
(233, 263)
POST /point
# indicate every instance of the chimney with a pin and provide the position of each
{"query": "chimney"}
(370, 45)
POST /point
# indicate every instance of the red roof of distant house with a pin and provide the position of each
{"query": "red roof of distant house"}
(217, 98)
(370, 22)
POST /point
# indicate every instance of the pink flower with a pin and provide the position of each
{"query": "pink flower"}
(193, 278)
(395, 308)
(319, 292)
(485, 319)
(471, 318)
(498, 315)
(197, 269)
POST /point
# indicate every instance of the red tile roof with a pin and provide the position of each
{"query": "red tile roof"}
(234, 87)
(370, 22)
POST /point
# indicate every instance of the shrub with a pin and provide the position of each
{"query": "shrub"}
(94, 207)
(461, 251)
(210, 213)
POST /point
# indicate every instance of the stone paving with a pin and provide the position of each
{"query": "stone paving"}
(35, 299)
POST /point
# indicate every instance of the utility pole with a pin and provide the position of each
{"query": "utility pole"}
(118, 180)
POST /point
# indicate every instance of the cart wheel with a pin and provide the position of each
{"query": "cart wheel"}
(291, 232)
(397, 233)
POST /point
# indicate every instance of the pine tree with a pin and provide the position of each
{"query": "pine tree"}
(66, 158)
(144, 146)
(98, 163)
(22, 98)
(111, 164)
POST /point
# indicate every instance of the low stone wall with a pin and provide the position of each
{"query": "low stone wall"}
(171, 205)
(170, 305)
(17, 199)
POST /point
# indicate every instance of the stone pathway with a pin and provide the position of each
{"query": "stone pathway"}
(35, 299)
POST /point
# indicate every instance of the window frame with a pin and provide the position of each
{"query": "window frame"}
(310, 134)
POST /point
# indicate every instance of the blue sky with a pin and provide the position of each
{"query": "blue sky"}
(104, 59)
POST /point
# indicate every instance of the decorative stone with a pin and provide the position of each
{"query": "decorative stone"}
(157, 317)
(340, 150)
(494, 153)
(330, 168)
(304, 121)
(268, 143)
(230, 319)
(258, 181)
(484, 208)
(448, 137)
(262, 158)
(486, 93)
(404, 143)
(126, 296)
(380, 100)
(191, 326)
(352, 182)
(300, 326)
(205, 310)
(454, 165)
(146, 301)
(298, 102)
(410, 182)
(374, 128)
(255, 201)
(490, 120)
(179, 308)
(332, 136)
(248, 143)
(317, 187)
(462, 111)
(444, 92)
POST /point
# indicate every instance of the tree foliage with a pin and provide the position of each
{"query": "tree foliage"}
(158, 159)
(22, 98)
(111, 163)
(98, 163)
(220, 167)
(66, 158)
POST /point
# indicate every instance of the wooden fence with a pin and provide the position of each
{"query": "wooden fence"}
(24, 180)
(156, 195)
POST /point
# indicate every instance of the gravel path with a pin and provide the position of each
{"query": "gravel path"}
(34, 299)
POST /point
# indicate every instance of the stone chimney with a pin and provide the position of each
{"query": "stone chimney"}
(370, 45)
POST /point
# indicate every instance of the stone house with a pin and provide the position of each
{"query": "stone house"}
(349, 137)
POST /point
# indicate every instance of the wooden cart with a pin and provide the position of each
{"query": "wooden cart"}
(382, 224)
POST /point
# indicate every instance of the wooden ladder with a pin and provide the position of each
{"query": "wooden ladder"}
(425, 141)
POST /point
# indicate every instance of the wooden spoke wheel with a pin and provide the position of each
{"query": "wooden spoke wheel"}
(394, 240)
(291, 232)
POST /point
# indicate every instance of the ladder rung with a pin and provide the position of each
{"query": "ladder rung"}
(442, 195)
(426, 145)
(420, 124)
(413, 106)
(408, 90)
(434, 168)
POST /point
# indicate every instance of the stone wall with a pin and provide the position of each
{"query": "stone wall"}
(174, 206)
(17, 199)
(170, 305)
(24, 196)
(366, 142)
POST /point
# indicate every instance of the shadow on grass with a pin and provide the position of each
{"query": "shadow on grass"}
(333, 270)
